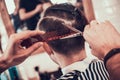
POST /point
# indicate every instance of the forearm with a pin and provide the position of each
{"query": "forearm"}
(16, 2)
(88, 10)
(113, 67)
(26, 15)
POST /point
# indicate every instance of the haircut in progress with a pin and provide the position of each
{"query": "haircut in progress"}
(69, 51)
(57, 18)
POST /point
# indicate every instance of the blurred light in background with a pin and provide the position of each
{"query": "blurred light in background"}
(63, 1)
(108, 10)
(104, 10)
(10, 6)
(58, 1)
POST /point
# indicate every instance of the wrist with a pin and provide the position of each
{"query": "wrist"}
(6, 61)
(3, 64)
(108, 49)
(36, 11)
(114, 43)
(110, 54)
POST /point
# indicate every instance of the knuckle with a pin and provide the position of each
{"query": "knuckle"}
(27, 32)
(12, 36)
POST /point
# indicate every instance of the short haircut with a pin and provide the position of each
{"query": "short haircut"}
(55, 19)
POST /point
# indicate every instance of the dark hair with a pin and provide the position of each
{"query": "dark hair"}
(78, 0)
(56, 18)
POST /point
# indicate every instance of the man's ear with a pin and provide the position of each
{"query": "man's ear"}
(47, 48)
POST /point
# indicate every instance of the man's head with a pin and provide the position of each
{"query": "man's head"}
(56, 18)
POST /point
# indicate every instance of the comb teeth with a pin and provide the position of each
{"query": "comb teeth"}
(49, 36)
(72, 35)
(58, 37)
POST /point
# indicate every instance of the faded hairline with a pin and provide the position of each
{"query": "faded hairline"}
(65, 22)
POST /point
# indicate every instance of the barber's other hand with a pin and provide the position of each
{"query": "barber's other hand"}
(102, 37)
(39, 8)
(15, 53)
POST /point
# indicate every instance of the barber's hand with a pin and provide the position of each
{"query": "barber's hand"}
(39, 8)
(102, 37)
(15, 53)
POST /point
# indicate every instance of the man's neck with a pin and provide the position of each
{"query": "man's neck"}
(67, 60)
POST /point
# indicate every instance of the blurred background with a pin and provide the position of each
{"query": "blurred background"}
(39, 64)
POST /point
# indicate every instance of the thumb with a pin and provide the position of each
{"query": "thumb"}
(34, 47)
(86, 30)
